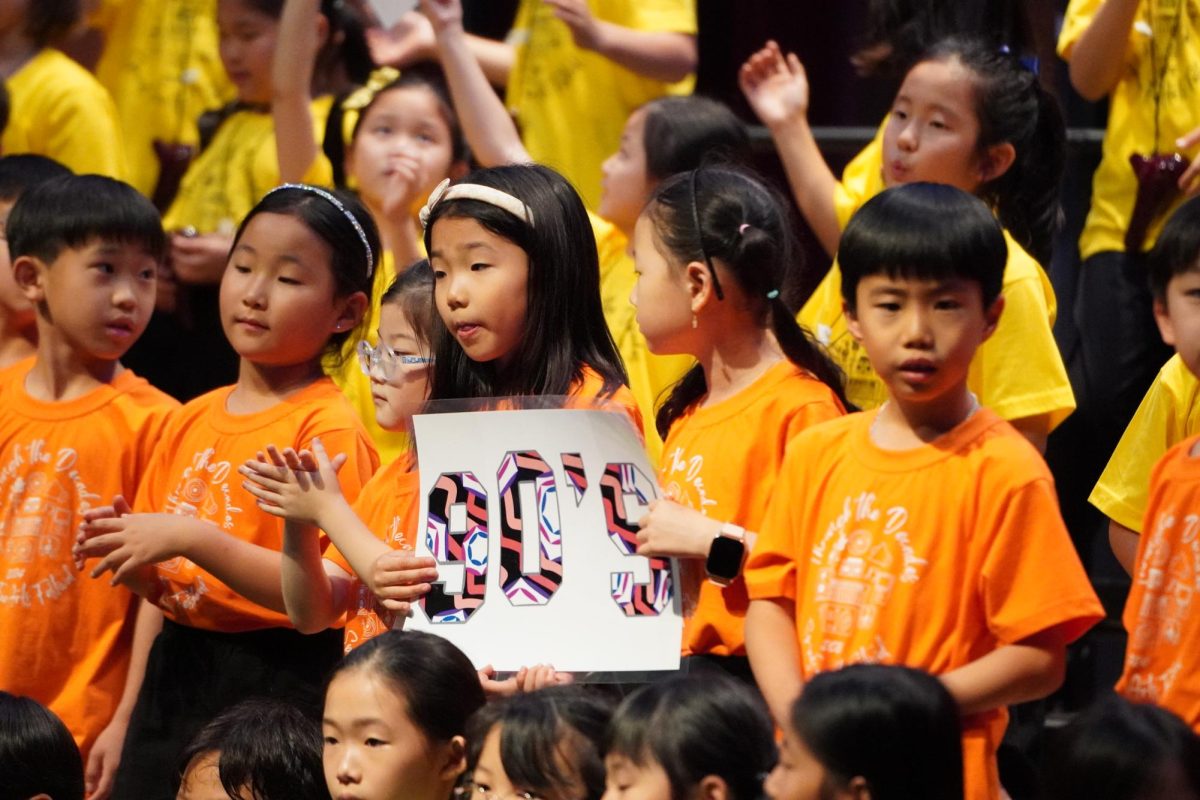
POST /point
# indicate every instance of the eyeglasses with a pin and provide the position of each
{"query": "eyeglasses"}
(469, 790)
(387, 359)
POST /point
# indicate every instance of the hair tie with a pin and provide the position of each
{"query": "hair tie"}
(742, 228)
(340, 206)
(771, 295)
(475, 191)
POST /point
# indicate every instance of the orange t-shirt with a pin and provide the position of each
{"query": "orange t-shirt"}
(931, 557)
(15, 370)
(194, 472)
(66, 637)
(586, 392)
(1162, 659)
(713, 462)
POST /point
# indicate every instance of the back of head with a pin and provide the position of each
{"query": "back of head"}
(1011, 106)
(1117, 750)
(20, 173)
(72, 211)
(1177, 249)
(437, 681)
(37, 753)
(565, 328)
(265, 746)
(412, 291)
(539, 731)
(695, 728)
(898, 728)
(345, 50)
(682, 133)
(49, 21)
(926, 231)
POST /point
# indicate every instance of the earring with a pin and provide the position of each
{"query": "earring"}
(695, 322)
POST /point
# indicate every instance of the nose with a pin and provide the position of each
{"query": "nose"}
(606, 165)
(633, 293)
(456, 290)
(255, 294)
(907, 139)
(124, 294)
(348, 771)
(916, 328)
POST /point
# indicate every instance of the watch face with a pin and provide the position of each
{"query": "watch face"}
(725, 558)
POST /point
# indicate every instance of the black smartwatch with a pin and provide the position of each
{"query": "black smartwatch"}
(726, 554)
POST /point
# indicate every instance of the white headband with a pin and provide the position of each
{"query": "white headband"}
(340, 206)
(475, 191)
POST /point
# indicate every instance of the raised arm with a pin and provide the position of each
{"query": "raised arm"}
(777, 89)
(296, 48)
(661, 55)
(1098, 58)
(411, 40)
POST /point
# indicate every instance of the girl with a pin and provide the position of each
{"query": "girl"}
(687, 737)
(295, 290)
(714, 253)
(396, 712)
(870, 731)
(659, 139)
(547, 744)
(238, 163)
(404, 139)
(971, 116)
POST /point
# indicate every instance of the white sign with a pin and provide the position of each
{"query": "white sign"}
(532, 517)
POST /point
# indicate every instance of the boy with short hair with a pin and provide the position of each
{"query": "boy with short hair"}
(77, 428)
(925, 533)
(18, 329)
(1162, 658)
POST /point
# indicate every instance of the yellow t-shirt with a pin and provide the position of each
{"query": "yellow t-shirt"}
(650, 376)
(1017, 373)
(1131, 109)
(237, 168)
(161, 56)
(1169, 413)
(58, 110)
(570, 103)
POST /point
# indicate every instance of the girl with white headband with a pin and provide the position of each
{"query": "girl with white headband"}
(194, 543)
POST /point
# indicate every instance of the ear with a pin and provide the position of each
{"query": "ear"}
(453, 758)
(857, 789)
(351, 313)
(712, 787)
(699, 284)
(991, 316)
(458, 169)
(852, 321)
(322, 30)
(29, 275)
(996, 161)
(1163, 317)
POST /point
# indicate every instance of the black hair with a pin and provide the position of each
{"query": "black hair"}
(72, 210)
(412, 291)
(37, 753)
(5, 106)
(540, 730)
(440, 686)
(1118, 750)
(694, 728)
(346, 45)
(1012, 107)
(895, 727)
(18, 173)
(48, 21)
(269, 747)
(565, 329)
(425, 74)
(1177, 249)
(681, 133)
(350, 258)
(744, 227)
(929, 231)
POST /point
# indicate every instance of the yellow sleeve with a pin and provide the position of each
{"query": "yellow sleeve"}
(675, 16)
(1078, 17)
(862, 179)
(1166, 416)
(320, 172)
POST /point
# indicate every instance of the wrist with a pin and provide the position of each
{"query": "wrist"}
(791, 124)
(600, 38)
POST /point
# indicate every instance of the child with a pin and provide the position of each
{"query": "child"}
(77, 427)
(295, 290)
(1117, 750)
(260, 749)
(58, 109)
(18, 321)
(548, 743)
(970, 116)
(238, 163)
(396, 712)
(715, 293)
(926, 533)
(1168, 414)
(1163, 624)
(516, 288)
(689, 737)
(38, 757)
(887, 733)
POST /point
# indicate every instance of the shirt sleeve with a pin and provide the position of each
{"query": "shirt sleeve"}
(770, 571)
(861, 178)
(674, 16)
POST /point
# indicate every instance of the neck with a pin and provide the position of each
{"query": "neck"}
(260, 386)
(60, 373)
(399, 234)
(15, 50)
(904, 423)
(736, 358)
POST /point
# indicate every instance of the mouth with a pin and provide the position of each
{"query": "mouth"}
(120, 328)
(251, 324)
(465, 331)
(917, 370)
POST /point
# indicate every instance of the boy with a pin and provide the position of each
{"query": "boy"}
(18, 331)
(925, 533)
(1162, 659)
(77, 427)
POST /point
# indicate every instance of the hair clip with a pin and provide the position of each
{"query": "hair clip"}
(364, 95)
(742, 228)
(771, 295)
(474, 191)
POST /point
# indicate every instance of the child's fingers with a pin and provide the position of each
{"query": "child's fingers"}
(265, 493)
(269, 482)
(1189, 139)
(398, 607)
(402, 592)
(121, 506)
(339, 461)
(101, 526)
(276, 457)
(292, 459)
(110, 562)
